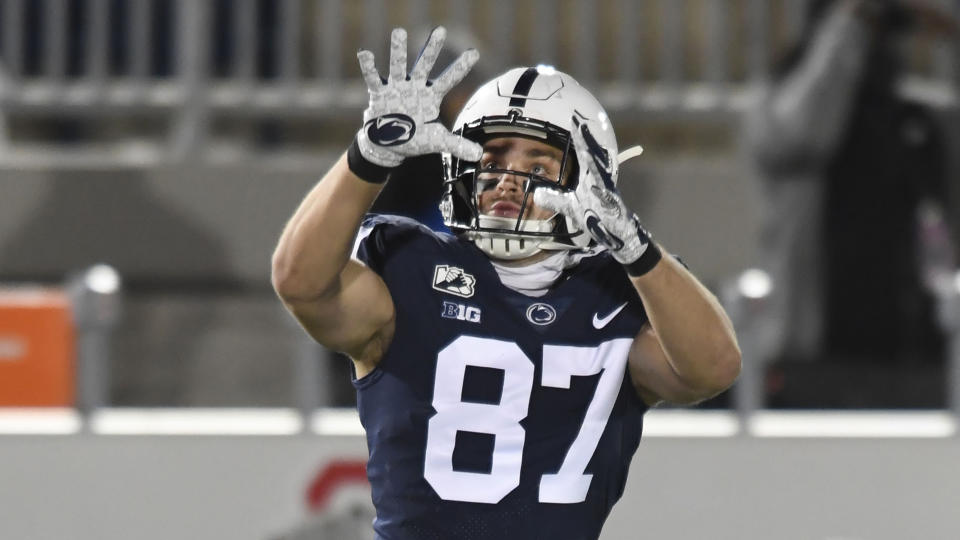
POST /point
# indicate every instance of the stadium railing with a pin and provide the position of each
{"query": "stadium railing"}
(180, 68)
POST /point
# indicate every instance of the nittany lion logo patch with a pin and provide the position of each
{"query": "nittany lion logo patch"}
(453, 280)
(541, 314)
(390, 129)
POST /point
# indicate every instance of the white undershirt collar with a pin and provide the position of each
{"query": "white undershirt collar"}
(537, 278)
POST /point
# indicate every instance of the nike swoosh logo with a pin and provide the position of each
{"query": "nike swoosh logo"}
(600, 322)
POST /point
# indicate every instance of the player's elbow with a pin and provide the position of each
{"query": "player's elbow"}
(291, 283)
(283, 276)
(716, 372)
(713, 373)
(724, 369)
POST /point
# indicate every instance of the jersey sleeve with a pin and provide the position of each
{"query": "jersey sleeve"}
(382, 237)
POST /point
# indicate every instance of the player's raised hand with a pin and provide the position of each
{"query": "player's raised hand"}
(596, 206)
(402, 118)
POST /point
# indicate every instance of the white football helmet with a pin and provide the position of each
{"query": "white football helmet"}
(537, 103)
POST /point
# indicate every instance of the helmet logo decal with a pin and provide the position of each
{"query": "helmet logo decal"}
(541, 314)
(446, 206)
(390, 129)
(598, 231)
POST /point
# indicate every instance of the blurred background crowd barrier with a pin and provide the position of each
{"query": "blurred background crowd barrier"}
(170, 140)
(150, 82)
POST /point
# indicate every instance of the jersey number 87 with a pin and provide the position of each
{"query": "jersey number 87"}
(560, 362)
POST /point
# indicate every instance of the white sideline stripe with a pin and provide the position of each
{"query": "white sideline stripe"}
(345, 422)
(681, 423)
(196, 422)
(45, 421)
(336, 422)
(853, 424)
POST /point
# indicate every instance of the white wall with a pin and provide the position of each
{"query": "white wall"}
(220, 223)
(252, 488)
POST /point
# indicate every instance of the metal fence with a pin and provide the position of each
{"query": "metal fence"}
(154, 80)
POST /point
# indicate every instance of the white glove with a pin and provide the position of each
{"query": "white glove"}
(596, 206)
(402, 119)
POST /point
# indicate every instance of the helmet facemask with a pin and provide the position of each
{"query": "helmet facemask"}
(537, 103)
(508, 237)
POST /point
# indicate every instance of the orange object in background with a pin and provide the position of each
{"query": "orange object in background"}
(37, 348)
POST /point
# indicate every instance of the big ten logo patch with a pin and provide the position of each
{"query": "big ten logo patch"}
(460, 312)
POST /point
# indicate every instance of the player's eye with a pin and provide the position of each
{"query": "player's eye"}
(544, 171)
(486, 182)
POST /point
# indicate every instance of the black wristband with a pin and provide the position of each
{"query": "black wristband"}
(365, 169)
(645, 263)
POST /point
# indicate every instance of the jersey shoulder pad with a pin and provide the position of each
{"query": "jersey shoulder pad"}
(383, 236)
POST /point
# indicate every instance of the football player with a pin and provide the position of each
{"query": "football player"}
(502, 373)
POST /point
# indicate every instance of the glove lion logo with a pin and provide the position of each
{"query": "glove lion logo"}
(391, 129)
(453, 280)
(601, 234)
(607, 199)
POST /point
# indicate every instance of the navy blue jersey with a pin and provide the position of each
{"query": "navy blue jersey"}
(493, 414)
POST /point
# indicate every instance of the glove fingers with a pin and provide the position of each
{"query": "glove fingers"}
(591, 153)
(445, 141)
(428, 55)
(584, 158)
(588, 169)
(456, 72)
(369, 70)
(398, 55)
(556, 201)
(596, 187)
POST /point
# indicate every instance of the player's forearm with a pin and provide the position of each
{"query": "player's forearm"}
(317, 241)
(693, 329)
